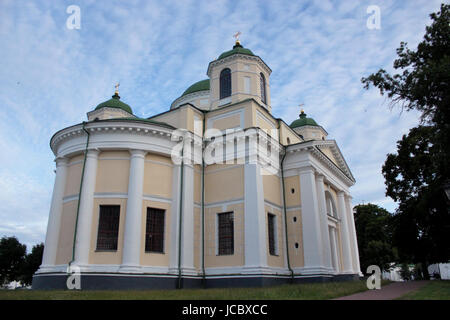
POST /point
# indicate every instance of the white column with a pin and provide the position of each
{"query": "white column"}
(54, 218)
(345, 234)
(312, 238)
(323, 222)
(84, 226)
(357, 267)
(254, 219)
(133, 217)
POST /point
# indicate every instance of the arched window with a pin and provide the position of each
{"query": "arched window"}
(225, 83)
(262, 82)
(331, 207)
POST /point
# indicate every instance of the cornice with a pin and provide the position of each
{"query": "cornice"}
(118, 127)
(238, 55)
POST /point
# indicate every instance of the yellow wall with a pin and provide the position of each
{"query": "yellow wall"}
(295, 235)
(74, 170)
(113, 173)
(158, 176)
(292, 199)
(223, 185)
(66, 233)
(272, 188)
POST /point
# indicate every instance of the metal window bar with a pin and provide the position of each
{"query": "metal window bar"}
(154, 235)
(226, 233)
(271, 227)
(225, 83)
(108, 227)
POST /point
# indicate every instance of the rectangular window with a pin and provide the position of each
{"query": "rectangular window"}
(154, 234)
(272, 234)
(108, 227)
(226, 233)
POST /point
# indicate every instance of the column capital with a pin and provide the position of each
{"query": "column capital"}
(306, 170)
(320, 177)
(93, 153)
(340, 193)
(137, 153)
(61, 161)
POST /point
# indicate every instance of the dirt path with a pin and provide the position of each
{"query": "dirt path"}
(388, 292)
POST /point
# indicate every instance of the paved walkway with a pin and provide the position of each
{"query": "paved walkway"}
(387, 292)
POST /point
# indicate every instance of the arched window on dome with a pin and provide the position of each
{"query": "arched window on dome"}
(262, 82)
(331, 206)
(225, 83)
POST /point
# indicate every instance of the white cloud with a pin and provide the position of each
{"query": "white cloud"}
(318, 51)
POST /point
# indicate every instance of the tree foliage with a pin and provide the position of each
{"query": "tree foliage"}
(12, 256)
(15, 263)
(415, 176)
(374, 233)
(32, 262)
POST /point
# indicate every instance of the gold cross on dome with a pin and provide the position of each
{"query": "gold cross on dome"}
(236, 35)
(117, 88)
(301, 107)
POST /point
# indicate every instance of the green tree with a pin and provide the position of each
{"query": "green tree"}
(32, 262)
(374, 233)
(12, 256)
(415, 176)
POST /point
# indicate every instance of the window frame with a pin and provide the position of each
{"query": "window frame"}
(273, 247)
(161, 232)
(263, 87)
(220, 248)
(225, 88)
(100, 238)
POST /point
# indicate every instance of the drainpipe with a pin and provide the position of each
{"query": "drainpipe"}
(179, 285)
(284, 209)
(79, 194)
(203, 208)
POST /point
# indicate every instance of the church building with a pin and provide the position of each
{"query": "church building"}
(143, 203)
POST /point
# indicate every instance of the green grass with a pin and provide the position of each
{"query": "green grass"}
(434, 290)
(313, 291)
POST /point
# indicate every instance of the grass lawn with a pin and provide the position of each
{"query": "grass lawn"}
(309, 291)
(435, 290)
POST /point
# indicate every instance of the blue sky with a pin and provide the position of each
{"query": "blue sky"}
(318, 50)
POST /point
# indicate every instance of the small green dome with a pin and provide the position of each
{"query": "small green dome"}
(198, 86)
(303, 121)
(237, 48)
(115, 103)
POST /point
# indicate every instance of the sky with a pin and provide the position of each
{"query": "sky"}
(51, 76)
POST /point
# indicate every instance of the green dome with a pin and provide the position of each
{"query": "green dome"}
(198, 86)
(236, 49)
(303, 121)
(115, 103)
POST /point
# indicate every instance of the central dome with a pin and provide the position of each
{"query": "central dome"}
(198, 86)
(237, 48)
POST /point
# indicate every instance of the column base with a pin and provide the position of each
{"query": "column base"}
(130, 269)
